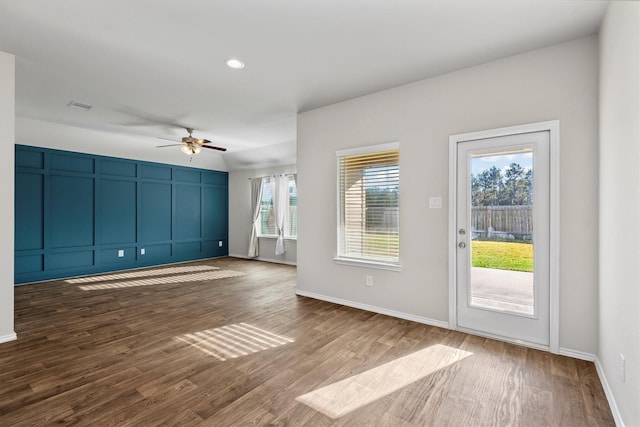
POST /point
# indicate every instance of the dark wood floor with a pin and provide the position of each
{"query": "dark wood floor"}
(182, 347)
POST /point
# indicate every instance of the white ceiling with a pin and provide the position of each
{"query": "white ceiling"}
(151, 66)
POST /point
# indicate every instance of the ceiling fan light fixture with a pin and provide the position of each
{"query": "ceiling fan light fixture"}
(234, 63)
(190, 150)
(190, 145)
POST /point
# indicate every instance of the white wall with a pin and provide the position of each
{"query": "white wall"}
(559, 82)
(7, 114)
(63, 137)
(620, 205)
(240, 217)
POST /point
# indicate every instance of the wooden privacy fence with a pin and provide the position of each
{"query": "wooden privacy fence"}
(504, 222)
(382, 219)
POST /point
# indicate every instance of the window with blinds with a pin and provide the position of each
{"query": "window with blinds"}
(267, 211)
(368, 208)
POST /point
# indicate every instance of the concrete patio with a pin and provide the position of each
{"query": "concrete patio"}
(502, 289)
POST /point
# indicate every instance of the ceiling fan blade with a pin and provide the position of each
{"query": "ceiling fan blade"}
(169, 139)
(213, 147)
(190, 141)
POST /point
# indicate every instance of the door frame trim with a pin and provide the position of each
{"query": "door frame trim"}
(553, 127)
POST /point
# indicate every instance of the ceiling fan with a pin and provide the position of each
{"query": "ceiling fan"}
(191, 145)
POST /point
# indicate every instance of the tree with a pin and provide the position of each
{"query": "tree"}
(493, 188)
(516, 186)
(382, 197)
(486, 187)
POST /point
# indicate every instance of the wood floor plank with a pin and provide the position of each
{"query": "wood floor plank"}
(176, 353)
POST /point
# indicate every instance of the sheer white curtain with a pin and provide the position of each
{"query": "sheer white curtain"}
(256, 197)
(280, 191)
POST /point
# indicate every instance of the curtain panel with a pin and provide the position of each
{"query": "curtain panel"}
(256, 197)
(280, 187)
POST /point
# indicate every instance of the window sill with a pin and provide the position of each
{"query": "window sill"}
(368, 264)
(275, 237)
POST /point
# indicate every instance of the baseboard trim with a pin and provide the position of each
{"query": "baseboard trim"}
(9, 337)
(143, 267)
(607, 391)
(439, 323)
(442, 324)
(375, 309)
(275, 261)
(589, 357)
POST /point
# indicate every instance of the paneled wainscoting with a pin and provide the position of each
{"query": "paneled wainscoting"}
(82, 214)
(226, 342)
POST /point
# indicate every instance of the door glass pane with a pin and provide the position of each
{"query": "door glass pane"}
(501, 271)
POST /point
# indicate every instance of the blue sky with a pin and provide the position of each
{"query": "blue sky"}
(501, 161)
(383, 177)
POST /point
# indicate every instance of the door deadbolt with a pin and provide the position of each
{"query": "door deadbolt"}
(462, 245)
(462, 232)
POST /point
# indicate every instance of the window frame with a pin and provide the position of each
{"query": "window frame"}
(265, 180)
(342, 258)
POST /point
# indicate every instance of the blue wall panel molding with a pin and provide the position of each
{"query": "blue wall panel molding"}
(116, 222)
(188, 215)
(155, 212)
(80, 214)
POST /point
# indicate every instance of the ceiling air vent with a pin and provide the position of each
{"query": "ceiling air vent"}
(79, 105)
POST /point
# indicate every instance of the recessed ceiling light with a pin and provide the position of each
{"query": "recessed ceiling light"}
(79, 105)
(235, 63)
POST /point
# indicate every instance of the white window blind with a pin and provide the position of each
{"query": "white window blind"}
(292, 220)
(368, 208)
(267, 211)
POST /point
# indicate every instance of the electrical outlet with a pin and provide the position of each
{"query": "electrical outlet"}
(622, 367)
(143, 251)
(120, 253)
(220, 243)
(369, 281)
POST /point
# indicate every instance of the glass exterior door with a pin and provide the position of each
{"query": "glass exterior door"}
(503, 236)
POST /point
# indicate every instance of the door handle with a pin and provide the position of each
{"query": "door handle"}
(462, 245)
(462, 232)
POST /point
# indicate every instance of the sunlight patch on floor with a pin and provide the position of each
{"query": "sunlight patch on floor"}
(143, 273)
(232, 341)
(343, 397)
(179, 278)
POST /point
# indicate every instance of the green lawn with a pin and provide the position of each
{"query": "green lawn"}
(381, 244)
(502, 255)
(488, 254)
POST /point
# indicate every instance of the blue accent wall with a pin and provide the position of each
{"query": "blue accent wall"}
(78, 214)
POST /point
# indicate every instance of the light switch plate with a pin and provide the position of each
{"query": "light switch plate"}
(435, 202)
(120, 253)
